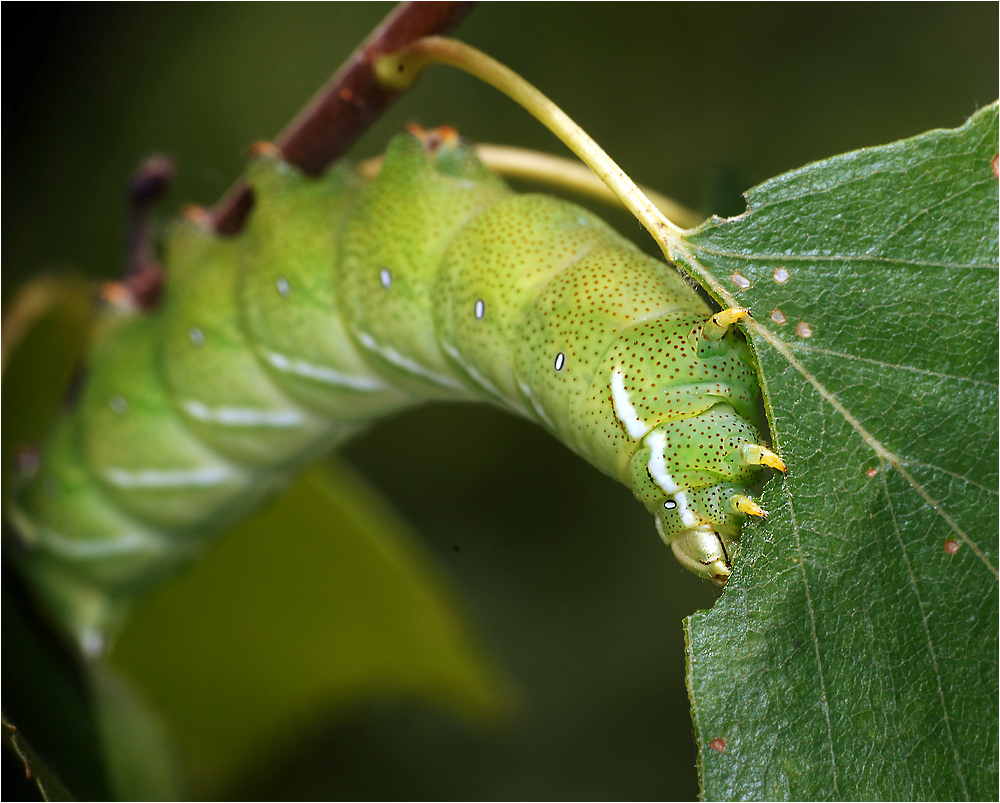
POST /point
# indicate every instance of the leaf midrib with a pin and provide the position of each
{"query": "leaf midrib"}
(682, 251)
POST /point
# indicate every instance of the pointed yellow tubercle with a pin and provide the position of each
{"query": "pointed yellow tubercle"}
(754, 454)
(744, 504)
(717, 326)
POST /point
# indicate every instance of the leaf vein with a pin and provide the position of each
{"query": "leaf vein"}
(927, 633)
(862, 174)
(680, 252)
(956, 475)
(824, 703)
(910, 221)
(882, 364)
(757, 256)
(876, 445)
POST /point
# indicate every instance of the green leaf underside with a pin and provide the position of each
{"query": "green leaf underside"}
(317, 604)
(854, 652)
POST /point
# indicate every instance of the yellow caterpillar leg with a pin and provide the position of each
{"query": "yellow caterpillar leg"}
(753, 454)
(720, 323)
(744, 504)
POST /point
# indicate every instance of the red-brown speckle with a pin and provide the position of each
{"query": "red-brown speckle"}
(872, 472)
(996, 166)
(951, 547)
(718, 744)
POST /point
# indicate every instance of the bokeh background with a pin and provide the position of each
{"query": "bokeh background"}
(559, 570)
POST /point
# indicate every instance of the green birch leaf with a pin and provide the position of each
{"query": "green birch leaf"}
(854, 652)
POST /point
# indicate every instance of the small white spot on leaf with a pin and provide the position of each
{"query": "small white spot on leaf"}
(741, 281)
(480, 309)
(197, 336)
(560, 361)
(780, 275)
(283, 287)
(385, 277)
(778, 316)
(802, 329)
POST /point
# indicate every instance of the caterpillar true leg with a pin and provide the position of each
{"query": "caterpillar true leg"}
(745, 504)
(753, 454)
(719, 324)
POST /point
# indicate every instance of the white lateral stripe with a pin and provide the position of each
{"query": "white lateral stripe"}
(171, 478)
(102, 548)
(657, 443)
(481, 380)
(328, 376)
(687, 517)
(539, 410)
(624, 410)
(406, 363)
(243, 416)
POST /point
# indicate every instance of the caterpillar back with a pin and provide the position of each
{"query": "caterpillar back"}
(343, 301)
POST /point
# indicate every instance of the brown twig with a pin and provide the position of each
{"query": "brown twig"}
(143, 274)
(347, 105)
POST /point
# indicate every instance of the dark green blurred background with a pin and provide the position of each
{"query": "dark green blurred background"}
(560, 569)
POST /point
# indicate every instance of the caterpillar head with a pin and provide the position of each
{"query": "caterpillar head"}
(694, 475)
(704, 552)
(702, 527)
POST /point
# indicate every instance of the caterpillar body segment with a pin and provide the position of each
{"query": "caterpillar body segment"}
(286, 294)
(344, 300)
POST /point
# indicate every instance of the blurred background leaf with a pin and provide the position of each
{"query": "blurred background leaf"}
(557, 566)
(313, 607)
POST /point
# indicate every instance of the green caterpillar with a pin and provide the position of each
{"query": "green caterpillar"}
(344, 300)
